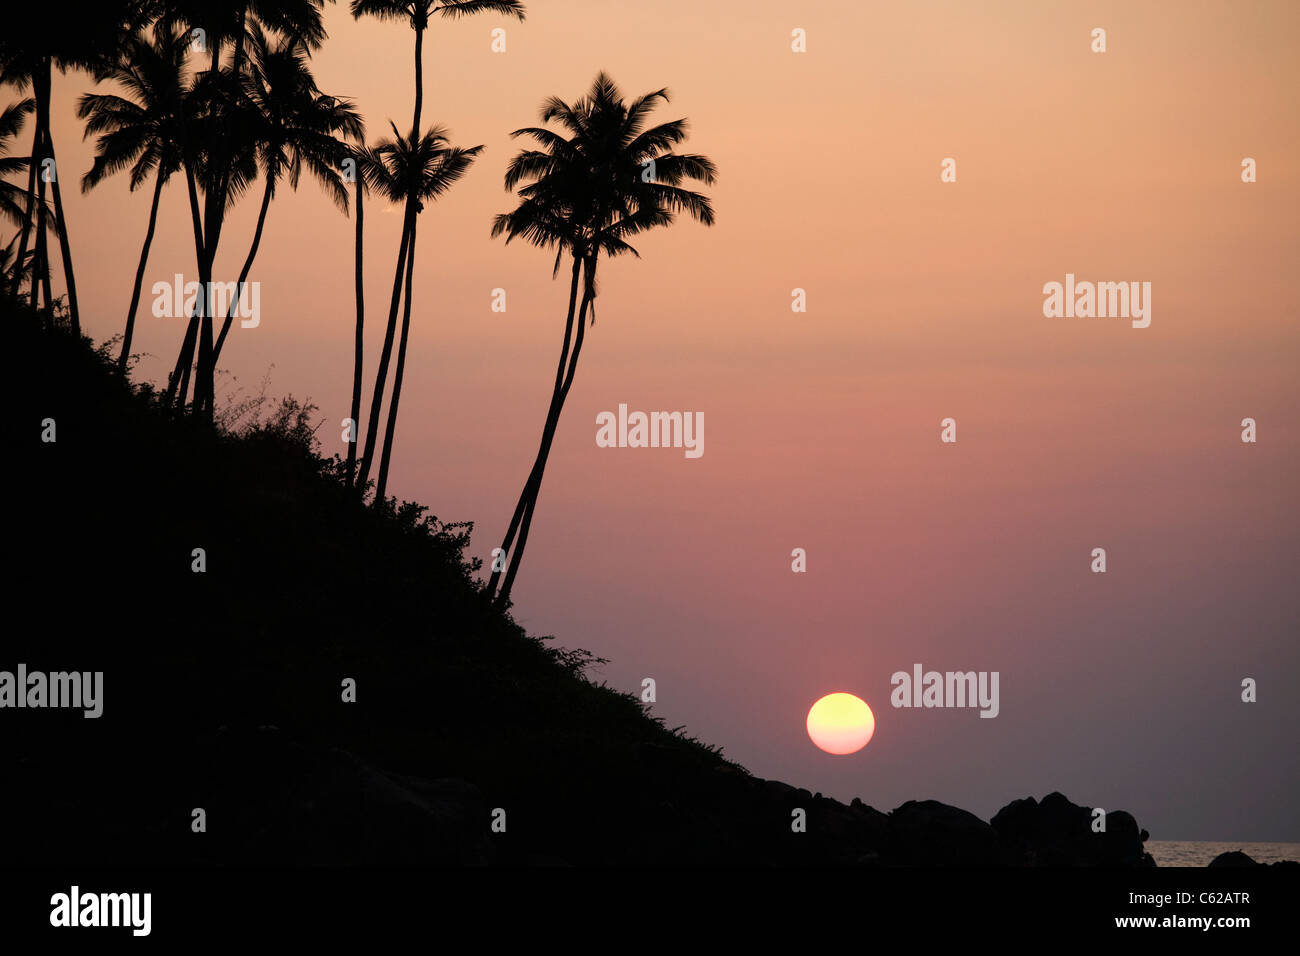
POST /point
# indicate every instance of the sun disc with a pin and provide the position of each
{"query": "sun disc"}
(841, 723)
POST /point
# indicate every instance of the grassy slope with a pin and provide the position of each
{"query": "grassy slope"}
(303, 588)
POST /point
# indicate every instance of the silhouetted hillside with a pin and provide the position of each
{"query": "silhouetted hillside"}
(222, 689)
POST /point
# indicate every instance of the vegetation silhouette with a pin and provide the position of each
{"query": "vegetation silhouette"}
(16, 263)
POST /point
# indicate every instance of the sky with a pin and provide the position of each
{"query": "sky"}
(924, 301)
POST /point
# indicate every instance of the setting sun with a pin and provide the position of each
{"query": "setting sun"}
(841, 723)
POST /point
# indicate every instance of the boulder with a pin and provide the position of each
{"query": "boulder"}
(1233, 858)
(930, 833)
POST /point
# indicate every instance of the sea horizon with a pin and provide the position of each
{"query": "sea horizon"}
(1201, 852)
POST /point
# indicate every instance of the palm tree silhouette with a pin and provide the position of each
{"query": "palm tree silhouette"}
(223, 151)
(586, 195)
(227, 21)
(411, 171)
(13, 199)
(219, 154)
(298, 126)
(141, 133)
(86, 36)
(417, 13)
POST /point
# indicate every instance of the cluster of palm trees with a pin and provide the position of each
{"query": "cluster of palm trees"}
(220, 92)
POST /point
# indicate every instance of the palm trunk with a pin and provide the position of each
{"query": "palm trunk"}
(203, 306)
(385, 355)
(184, 363)
(419, 81)
(237, 59)
(179, 382)
(503, 599)
(357, 364)
(213, 220)
(243, 274)
(41, 80)
(205, 368)
(139, 275)
(41, 260)
(61, 224)
(555, 396)
(386, 457)
(204, 373)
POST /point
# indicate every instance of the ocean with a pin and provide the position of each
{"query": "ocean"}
(1197, 853)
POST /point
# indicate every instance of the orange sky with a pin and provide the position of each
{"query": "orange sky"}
(924, 301)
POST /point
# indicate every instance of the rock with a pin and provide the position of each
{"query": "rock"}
(930, 833)
(1233, 858)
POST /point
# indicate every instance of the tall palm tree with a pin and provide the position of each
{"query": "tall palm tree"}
(299, 126)
(586, 195)
(418, 13)
(219, 148)
(412, 171)
(226, 20)
(142, 133)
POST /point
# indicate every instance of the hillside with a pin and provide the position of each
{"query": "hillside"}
(222, 689)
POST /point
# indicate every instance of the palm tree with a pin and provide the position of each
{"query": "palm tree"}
(141, 133)
(223, 151)
(227, 21)
(586, 195)
(418, 12)
(219, 144)
(38, 38)
(411, 171)
(299, 126)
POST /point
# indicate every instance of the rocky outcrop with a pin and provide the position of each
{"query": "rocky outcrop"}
(1057, 832)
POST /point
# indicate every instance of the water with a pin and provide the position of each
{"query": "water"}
(1196, 853)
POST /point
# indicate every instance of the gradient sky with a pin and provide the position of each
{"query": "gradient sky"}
(1121, 690)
